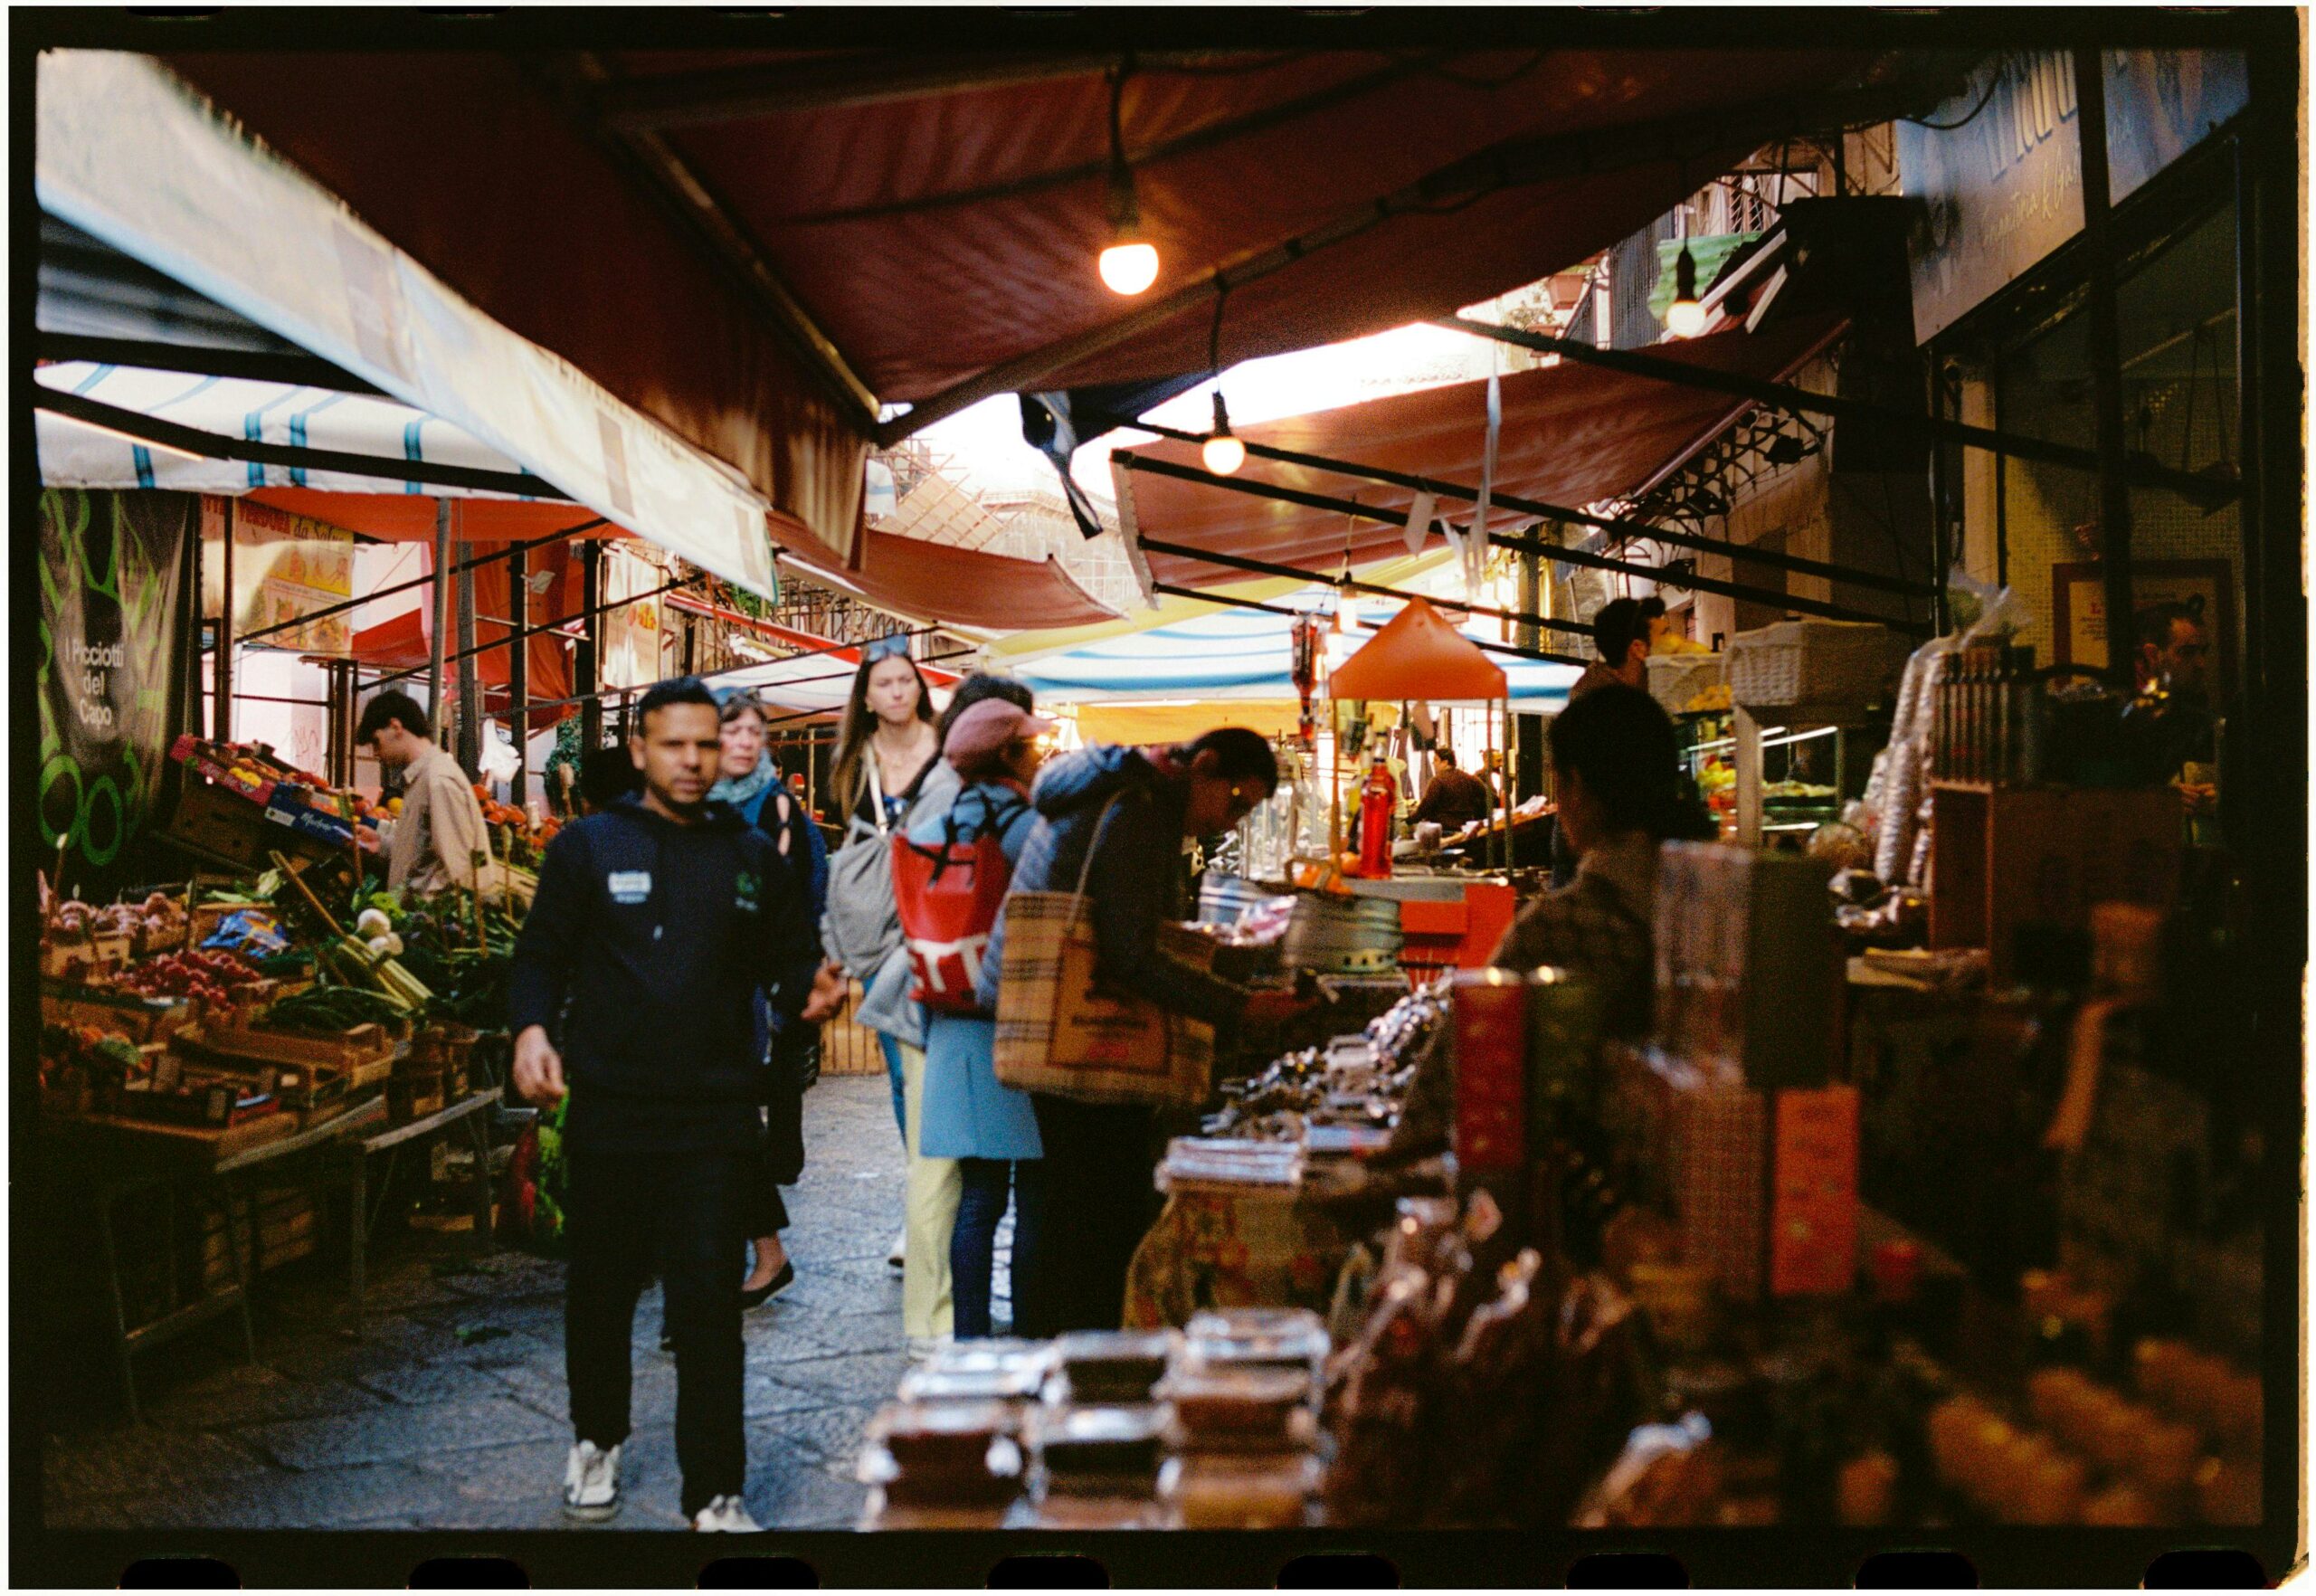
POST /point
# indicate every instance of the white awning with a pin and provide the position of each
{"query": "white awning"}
(128, 155)
(77, 454)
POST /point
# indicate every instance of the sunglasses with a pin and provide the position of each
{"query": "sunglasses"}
(894, 647)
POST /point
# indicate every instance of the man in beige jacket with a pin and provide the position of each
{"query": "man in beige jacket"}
(440, 830)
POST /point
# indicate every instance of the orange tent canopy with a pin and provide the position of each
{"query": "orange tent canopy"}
(1418, 655)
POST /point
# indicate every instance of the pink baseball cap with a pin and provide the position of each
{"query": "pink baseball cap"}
(987, 727)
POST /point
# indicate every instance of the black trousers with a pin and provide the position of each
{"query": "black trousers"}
(764, 1212)
(632, 1214)
(1099, 1202)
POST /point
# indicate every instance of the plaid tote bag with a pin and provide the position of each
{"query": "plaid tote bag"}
(1058, 1033)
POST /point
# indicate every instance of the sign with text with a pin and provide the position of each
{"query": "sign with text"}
(1998, 168)
(111, 628)
(285, 568)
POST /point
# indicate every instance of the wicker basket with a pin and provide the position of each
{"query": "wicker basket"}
(1824, 665)
(1674, 679)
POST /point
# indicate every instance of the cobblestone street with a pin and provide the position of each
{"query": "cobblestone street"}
(450, 1412)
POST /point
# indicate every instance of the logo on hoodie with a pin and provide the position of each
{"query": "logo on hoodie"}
(629, 886)
(744, 892)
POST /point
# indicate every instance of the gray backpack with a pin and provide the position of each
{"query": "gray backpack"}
(863, 926)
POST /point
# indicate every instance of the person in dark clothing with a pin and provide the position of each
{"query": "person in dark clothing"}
(1620, 637)
(606, 775)
(1454, 798)
(656, 925)
(1130, 810)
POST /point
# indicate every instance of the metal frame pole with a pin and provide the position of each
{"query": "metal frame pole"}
(2106, 362)
(584, 659)
(470, 691)
(440, 599)
(518, 670)
(222, 722)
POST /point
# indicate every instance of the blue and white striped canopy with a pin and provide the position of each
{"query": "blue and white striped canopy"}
(75, 455)
(1231, 653)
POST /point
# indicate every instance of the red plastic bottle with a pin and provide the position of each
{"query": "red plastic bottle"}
(1377, 800)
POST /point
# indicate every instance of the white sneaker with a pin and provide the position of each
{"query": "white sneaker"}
(727, 1514)
(898, 1256)
(591, 1483)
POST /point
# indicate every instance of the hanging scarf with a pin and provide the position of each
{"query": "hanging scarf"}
(740, 792)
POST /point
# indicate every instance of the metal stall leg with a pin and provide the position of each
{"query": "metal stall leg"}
(484, 1241)
(358, 1190)
(105, 1196)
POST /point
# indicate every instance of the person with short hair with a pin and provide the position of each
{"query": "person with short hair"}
(439, 831)
(1120, 818)
(1663, 639)
(2173, 649)
(1617, 767)
(1453, 797)
(657, 923)
(1620, 637)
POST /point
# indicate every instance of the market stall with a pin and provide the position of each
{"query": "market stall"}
(234, 1047)
(1850, 1236)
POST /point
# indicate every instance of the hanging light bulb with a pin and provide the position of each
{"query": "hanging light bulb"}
(1130, 265)
(1223, 453)
(1684, 318)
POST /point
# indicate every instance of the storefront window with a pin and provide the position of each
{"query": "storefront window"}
(2176, 316)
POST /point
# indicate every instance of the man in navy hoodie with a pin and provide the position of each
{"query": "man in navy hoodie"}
(658, 920)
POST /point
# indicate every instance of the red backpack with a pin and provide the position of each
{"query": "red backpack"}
(948, 898)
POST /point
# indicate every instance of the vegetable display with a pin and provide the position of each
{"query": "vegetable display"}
(215, 977)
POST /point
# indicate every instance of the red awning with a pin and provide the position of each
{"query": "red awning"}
(937, 232)
(964, 587)
(409, 517)
(1572, 435)
(1418, 655)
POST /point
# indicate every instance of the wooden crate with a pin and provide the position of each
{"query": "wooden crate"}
(2002, 857)
(139, 1019)
(335, 1050)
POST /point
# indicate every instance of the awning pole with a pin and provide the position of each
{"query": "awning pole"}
(518, 670)
(584, 661)
(2195, 488)
(224, 723)
(1774, 559)
(470, 699)
(440, 599)
(1570, 556)
(1171, 591)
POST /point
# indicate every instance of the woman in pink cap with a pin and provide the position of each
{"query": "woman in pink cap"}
(965, 1115)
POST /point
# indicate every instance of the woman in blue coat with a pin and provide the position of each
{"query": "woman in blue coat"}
(990, 1129)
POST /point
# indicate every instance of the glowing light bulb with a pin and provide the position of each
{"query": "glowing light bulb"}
(1129, 266)
(1684, 317)
(1223, 453)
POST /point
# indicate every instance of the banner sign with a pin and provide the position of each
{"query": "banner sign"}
(111, 637)
(1998, 168)
(285, 567)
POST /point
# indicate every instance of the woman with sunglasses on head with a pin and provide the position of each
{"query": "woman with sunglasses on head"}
(887, 747)
(1117, 818)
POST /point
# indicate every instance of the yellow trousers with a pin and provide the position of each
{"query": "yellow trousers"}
(935, 1186)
